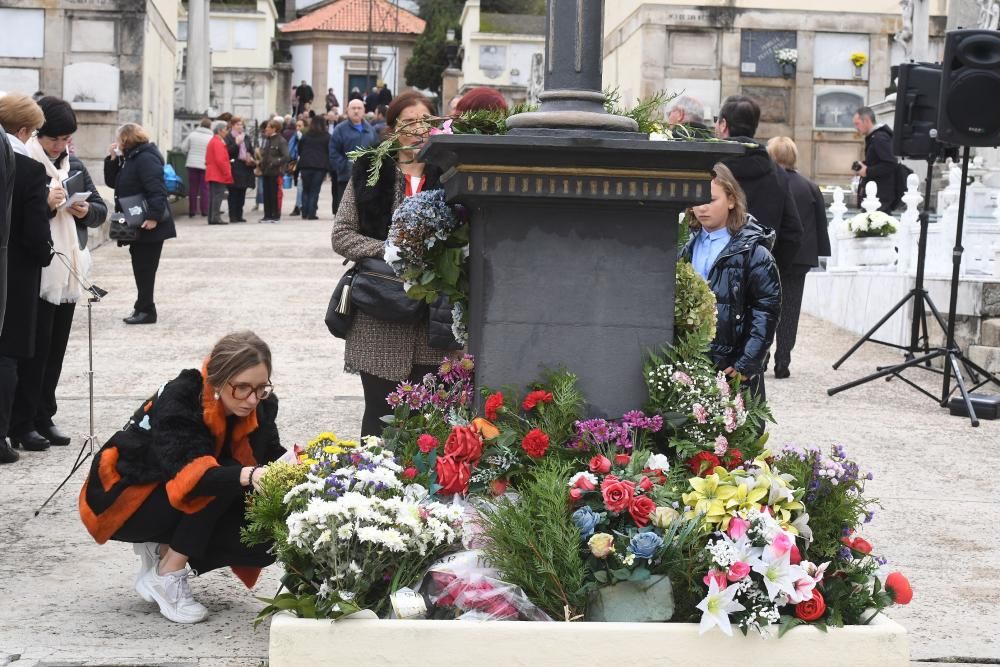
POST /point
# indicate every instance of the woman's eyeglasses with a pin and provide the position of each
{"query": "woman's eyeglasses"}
(241, 391)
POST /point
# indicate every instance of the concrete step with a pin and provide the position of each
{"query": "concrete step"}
(986, 356)
(989, 333)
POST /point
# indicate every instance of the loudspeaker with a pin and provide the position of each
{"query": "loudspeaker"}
(970, 89)
(917, 89)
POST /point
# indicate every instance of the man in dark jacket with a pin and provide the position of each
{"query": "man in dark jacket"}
(879, 164)
(303, 93)
(353, 133)
(764, 183)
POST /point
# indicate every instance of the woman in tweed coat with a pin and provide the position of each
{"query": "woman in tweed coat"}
(385, 353)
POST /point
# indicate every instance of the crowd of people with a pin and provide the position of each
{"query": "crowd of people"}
(174, 481)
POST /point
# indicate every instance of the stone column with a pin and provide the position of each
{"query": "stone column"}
(572, 98)
(198, 80)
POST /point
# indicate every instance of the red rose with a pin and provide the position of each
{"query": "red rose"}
(640, 509)
(795, 556)
(575, 494)
(427, 443)
(645, 484)
(734, 459)
(583, 483)
(703, 463)
(622, 459)
(862, 545)
(465, 444)
(618, 495)
(535, 443)
(536, 397)
(409, 473)
(600, 465)
(813, 609)
(493, 403)
(899, 588)
(498, 487)
(608, 481)
(453, 475)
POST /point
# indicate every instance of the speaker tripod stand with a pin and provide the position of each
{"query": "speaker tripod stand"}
(919, 354)
(94, 295)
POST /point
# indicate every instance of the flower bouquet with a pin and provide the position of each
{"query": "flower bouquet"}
(353, 531)
(427, 245)
(787, 56)
(858, 59)
(874, 224)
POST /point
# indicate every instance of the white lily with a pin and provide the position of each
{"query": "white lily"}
(801, 524)
(716, 608)
(778, 573)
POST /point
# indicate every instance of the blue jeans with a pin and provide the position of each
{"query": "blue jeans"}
(310, 182)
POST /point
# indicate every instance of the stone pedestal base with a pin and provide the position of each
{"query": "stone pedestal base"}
(296, 642)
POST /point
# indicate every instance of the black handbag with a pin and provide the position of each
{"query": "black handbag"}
(119, 230)
(378, 291)
(338, 313)
(124, 226)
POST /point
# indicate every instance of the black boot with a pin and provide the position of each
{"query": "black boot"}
(7, 453)
(296, 211)
(32, 441)
(142, 318)
(55, 437)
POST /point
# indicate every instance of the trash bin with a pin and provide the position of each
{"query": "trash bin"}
(178, 160)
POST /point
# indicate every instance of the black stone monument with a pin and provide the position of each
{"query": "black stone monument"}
(574, 228)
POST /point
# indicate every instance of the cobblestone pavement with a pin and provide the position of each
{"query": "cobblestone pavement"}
(69, 601)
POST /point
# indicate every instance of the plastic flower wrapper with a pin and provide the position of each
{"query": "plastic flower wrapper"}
(464, 586)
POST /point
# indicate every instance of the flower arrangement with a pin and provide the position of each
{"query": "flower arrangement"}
(427, 245)
(712, 422)
(874, 224)
(858, 59)
(354, 530)
(787, 56)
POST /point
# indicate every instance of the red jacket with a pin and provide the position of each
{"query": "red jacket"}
(217, 167)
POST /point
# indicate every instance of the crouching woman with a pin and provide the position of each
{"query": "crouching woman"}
(731, 251)
(174, 481)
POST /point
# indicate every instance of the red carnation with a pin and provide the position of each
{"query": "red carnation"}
(734, 459)
(703, 463)
(453, 475)
(535, 443)
(536, 397)
(622, 459)
(493, 403)
(812, 609)
(465, 444)
(427, 443)
(899, 588)
(640, 509)
(645, 484)
(656, 475)
(618, 495)
(600, 465)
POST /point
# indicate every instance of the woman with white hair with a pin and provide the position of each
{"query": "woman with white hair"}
(218, 171)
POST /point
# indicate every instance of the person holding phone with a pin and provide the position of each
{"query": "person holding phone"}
(35, 399)
(134, 166)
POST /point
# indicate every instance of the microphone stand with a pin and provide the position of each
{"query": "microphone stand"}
(87, 449)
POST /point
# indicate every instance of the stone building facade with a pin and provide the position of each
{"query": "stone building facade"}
(714, 50)
(108, 58)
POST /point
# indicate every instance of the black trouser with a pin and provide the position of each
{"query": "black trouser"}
(37, 377)
(237, 199)
(210, 538)
(793, 281)
(312, 182)
(337, 189)
(270, 187)
(145, 261)
(376, 389)
(8, 385)
(216, 193)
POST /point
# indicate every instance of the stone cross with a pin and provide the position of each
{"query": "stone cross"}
(574, 31)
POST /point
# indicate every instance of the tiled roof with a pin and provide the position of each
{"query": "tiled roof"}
(352, 16)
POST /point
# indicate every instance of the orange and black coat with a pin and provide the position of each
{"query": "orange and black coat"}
(182, 439)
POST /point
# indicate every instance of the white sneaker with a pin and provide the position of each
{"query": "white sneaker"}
(172, 594)
(149, 555)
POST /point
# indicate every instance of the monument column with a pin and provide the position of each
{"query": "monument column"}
(574, 222)
(198, 78)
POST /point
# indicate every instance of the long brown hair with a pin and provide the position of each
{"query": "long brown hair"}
(235, 353)
(737, 218)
